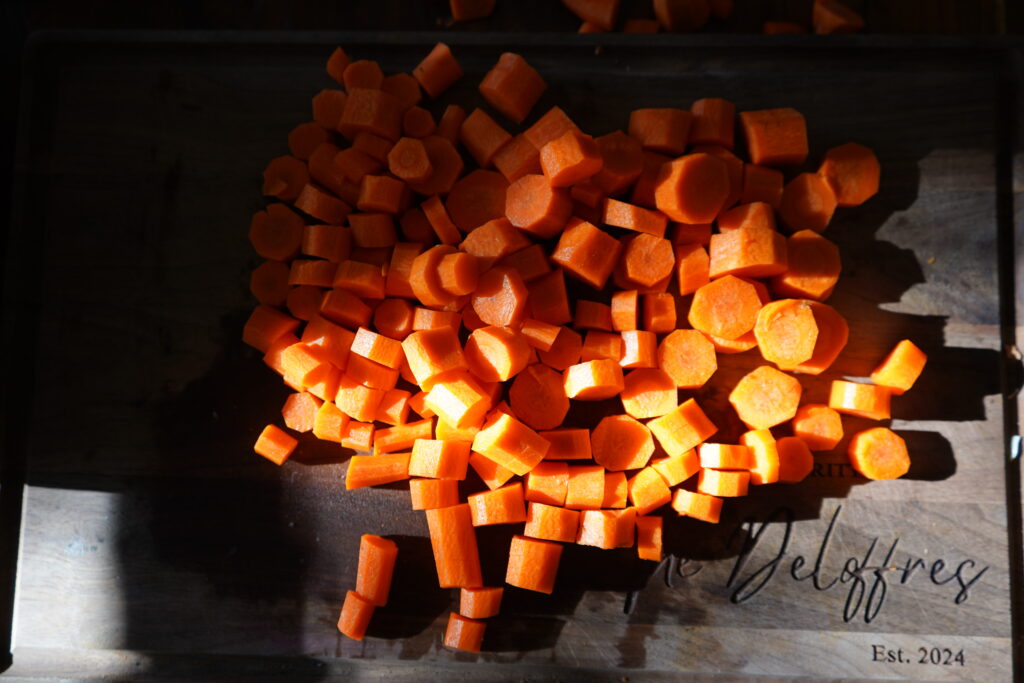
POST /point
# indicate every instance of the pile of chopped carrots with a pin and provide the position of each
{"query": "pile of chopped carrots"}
(420, 312)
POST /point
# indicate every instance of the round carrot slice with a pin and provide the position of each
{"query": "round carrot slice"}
(726, 307)
(500, 297)
(538, 397)
(477, 198)
(495, 354)
(425, 277)
(693, 188)
(786, 332)
(688, 358)
(447, 164)
(879, 453)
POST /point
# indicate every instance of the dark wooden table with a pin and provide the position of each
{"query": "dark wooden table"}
(155, 545)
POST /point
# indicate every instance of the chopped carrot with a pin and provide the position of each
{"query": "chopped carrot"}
(539, 335)
(531, 262)
(593, 380)
(492, 474)
(459, 399)
(321, 205)
(636, 218)
(494, 240)
(323, 170)
(447, 164)
(467, 10)
(439, 459)
(299, 411)
(648, 393)
(766, 397)
(686, 233)
(500, 297)
(723, 483)
(500, 506)
(480, 603)
(813, 267)
(786, 332)
(284, 178)
(693, 188)
(607, 529)
(692, 268)
(852, 171)
(616, 490)
(648, 538)
(832, 16)
(663, 130)
(722, 456)
(547, 483)
(275, 444)
(358, 436)
(765, 452)
(330, 242)
(533, 564)
(362, 279)
(276, 234)
(495, 354)
(833, 333)
(312, 272)
(625, 310)
(332, 341)
(511, 444)
(682, 428)
(356, 612)
(586, 487)
(265, 326)
(587, 253)
(330, 423)
(879, 453)
(567, 444)
(393, 408)
(900, 368)
(533, 205)
(305, 138)
(775, 137)
(512, 87)
(727, 307)
(269, 283)
(676, 469)
(363, 73)
(376, 470)
(761, 184)
(373, 111)
(622, 163)
(462, 633)
(752, 215)
(659, 313)
(648, 259)
(570, 158)
(643, 190)
(453, 539)
(795, 459)
(551, 523)
(808, 203)
(476, 199)
(459, 273)
(376, 566)
(697, 505)
(404, 88)
(482, 137)
(451, 122)
(430, 494)
(620, 443)
(713, 123)
(433, 353)
(438, 71)
(377, 193)
(588, 193)
(688, 358)
(601, 13)
(538, 397)
(639, 349)
(748, 252)
(819, 426)
(648, 491)
(337, 63)
(418, 123)
(328, 106)
(396, 282)
(345, 308)
(447, 232)
(425, 277)
(863, 400)
(408, 160)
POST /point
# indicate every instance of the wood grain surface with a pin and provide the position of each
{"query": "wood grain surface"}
(156, 544)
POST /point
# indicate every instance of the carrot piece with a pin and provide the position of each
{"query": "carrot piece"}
(775, 137)
(358, 436)
(697, 505)
(589, 194)
(284, 177)
(305, 138)
(320, 205)
(863, 400)
(446, 432)
(636, 218)
(597, 345)
(430, 494)
(587, 253)
(748, 252)
(723, 483)
(330, 242)
(538, 397)
(780, 28)
(540, 336)
(477, 198)
(648, 393)
(681, 16)
(447, 164)
(684, 234)
(607, 529)
(808, 203)
(639, 349)
(370, 373)
(312, 272)
(819, 426)
(533, 564)
(622, 163)
(688, 358)
(376, 566)
(356, 613)
(761, 184)
(265, 326)
(693, 188)
(416, 403)
(533, 205)
(328, 106)
(425, 278)
(451, 122)
(676, 469)
(547, 483)
(765, 397)
(852, 171)
(692, 268)
(713, 123)
(795, 459)
(439, 459)
(438, 71)
(879, 453)
(511, 444)
(357, 400)
(813, 267)
(500, 297)
(482, 137)
(332, 342)
(453, 540)
(551, 522)
(648, 538)
(500, 506)
(337, 63)
(442, 224)
(565, 351)
(429, 319)
(601, 13)
(384, 194)
(659, 312)
(329, 423)
(593, 380)
(722, 456)
(765, 454)
(393, 319)
(459, 273)
(648, 259)
(531, 262)
(833, 333)
(548, 299)
(378, 348)
(275, 444)
(727, 307)
(495, 354)
(616, 490)
(586, 487)
(900, 368)
(567, 444)
(480, 603)
(362, 279)
(373, 111)
(831, 16)
(570, 158)
(752, 215)
(512, 87)
(459, 399)
(363, 73)
(462, 633)
(643, 190)
(269, 283)
(432, 353)
(404, 88)
(273, 358)
(492, 474)
(466, 10)
(393, 408)
(408, 160)
(299, 411)
(620, 443)
(325, 172)
(418, 123)
(376, 470)
(663, 130)
(345, 308)
(276, 234)
(493, 240)
(786, 332)
(648, 491)
(625, 310)
(682, 428)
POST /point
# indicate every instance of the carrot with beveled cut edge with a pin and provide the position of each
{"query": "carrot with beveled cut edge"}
(337, 63)
(416, 403)
(587, 253)
(500, 506)
(480, 603)
(325, 172)
(723, 456)
(500, 297)
(533, 205)
(795, 459)
(379, 194)
(607, 529)
(482, 137)
(900, 368)
(533, 564)
(765, 453)
(570, 158)
(586, 487)
(276, 233)
(625, 310)
(477, 198)
(644, 188)
(601, 13)
(539, 335)
(299, 411)
(330, 424)
(648, 491)
(676, 469)
(648, 538)
(492, 474)
(713, 123)
(852, 171)
(692, 188)
(531, 262)
(453, 540)
(512, 86)
(547, 483)
(775, 137)
(819, 426)
(686, 234)
(620, 443)
(659, 312)
(358, 401)
(438, 71)
(511, 444)
(648, 393)
(592, 315)
(439, 459)
(813, 267)
(588, 194)
(879, 453)
(833, 333)
(751, 215)
(418, 123)
(565, 351)
(462, 633)
(863, 400)
(362, 279)
(786, 332)
(408, 160)
(467, 10)
(376, 470)
(356, 612)
(371, 373)
(495, 354)
(723, 483)
(375, 568)
(312, 272)
(429, 319)
(305, 138)
(538, 397)
(459, 273)
(636, 218)
(688, 358)
(597, 345)
(663, 130)
(517, 158)
(494, 240)
(345, 308)
(459, 399)
(425, 278)
(353, 165)
(831, 16)
(692, 268)
(378, 348)
(332, 341)
(551, 523)
(766, 397)
(647, 259)
(567, 444)
(639, 349)
(275, 444)
(358, 436)
(748, 252)
(616, 490)
(697, 505)
(447, 167)
(683, 428)
(808, 203)
(269, 283)
(593, 380)
(373, 111)
(433, 353)
(330, 242)
(393, 408)
(284, 177)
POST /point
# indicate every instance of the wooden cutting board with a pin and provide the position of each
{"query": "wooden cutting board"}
(155, 543)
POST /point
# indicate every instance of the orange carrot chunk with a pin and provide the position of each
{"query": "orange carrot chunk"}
(901, 367)
(587, 253)
(437, 459)
(852, 171)
(833, 333)
(648, 393)
(676, 469)
(477, 198)
(453, 540)
(697, 505)
(480, 603)
(538, 397)
(459, 399)
(723, 483)
(500, 506)
(601, 13)
(438, 71)
(356, 612)
(639, 349)
(547, 483)
(299, 411)
(607, 529)
(551, 523)
(586, 487)
(795, 459)
(570, 158)
(275, 444)
(648, 491)
(447, 164)
(533, 205)
(533, 564)
(462, 633)
(494, 240)
(688, 358)
(693, 188)
(659, 312)
(713, 123)
(682, 429)
(375, 470)
(482, 137)
(819, 426)
(408, 160)
(765, 452)
(512, 86)
(862, 400)
(511, 444)
(593, 380)
(620, 443)
(622, 163)
(661, 130)
(567, 444)
(500, 297)
(492, 474)
(813, 267)
(418, 123)
(692, 268)
(786, 332)
(330, 424)
(766, 397)
(808, 203)
(404, 87)
(648, 538)
(284, 178)
(721, 456)
(775, 137)
(376, 566)
(879, 453)
(276, 234)
(727, 307)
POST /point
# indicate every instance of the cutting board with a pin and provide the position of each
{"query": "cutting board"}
(155, 543)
